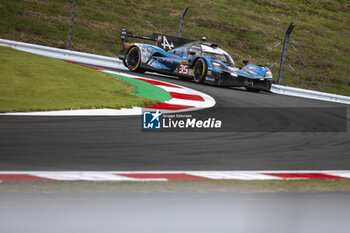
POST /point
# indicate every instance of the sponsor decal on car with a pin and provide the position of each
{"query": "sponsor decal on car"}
(234, 68)
(210, 78)
(159, 38)
(166, 44)
(183, 69)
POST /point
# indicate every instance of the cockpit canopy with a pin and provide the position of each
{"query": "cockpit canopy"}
(210, 50)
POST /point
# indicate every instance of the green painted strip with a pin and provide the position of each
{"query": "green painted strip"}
(145, 89)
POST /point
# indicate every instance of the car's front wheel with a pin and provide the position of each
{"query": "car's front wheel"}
(200, 70)
(268, 86)
(132, 60)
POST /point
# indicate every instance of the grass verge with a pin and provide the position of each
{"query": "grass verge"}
(178, 186)
(31, 82)
(247, 29)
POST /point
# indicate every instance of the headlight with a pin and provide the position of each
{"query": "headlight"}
(217, 65)
(268, 74)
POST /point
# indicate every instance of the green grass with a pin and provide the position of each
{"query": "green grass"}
(31, 82)
(247, 29)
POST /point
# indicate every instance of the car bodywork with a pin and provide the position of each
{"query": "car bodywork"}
(179, 56)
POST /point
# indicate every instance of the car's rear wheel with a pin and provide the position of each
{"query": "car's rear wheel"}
(200, 70)
(133, 60)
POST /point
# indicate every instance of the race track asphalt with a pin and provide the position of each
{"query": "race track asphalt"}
(117, 143)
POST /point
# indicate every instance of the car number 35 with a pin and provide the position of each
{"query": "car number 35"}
(183, 69)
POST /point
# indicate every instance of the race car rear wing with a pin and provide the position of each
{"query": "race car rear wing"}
(124, 35)
(163, 41)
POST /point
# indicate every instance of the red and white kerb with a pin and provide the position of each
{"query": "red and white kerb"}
(15, 176)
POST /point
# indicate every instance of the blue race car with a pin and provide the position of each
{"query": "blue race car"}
(193, 60)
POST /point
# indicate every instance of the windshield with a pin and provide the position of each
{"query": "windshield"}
(225, 58)
(212, 52)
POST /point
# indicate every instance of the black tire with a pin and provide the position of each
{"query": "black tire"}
(124, 62)
(200, 70)
(268, 86)
(132, 60)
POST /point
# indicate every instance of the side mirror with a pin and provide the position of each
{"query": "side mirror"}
(245, 62)
(192, 53)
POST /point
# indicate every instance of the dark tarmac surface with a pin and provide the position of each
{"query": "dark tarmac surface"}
(117, 143)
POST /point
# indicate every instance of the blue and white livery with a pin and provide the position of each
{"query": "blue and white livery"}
(193, 60)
